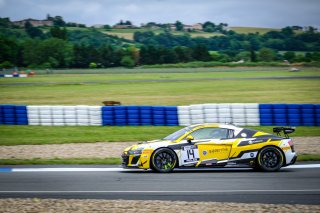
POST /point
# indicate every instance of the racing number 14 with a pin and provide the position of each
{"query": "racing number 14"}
(190, 154)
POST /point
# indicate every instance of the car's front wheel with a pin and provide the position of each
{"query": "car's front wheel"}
(163, 160)
(270, 159)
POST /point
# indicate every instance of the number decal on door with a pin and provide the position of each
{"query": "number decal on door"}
(190, 154)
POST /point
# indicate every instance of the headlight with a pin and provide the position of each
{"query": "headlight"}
(135, 152)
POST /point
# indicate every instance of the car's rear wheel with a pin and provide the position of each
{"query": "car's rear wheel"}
(270, 159)
(163, 160)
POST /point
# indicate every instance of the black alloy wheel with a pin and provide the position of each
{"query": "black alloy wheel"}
(163, 160)
(270, 159)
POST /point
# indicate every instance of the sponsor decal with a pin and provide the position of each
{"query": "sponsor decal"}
(204, 152)
(252, 154)
(243, 135)
(212, 151)
(285, 148)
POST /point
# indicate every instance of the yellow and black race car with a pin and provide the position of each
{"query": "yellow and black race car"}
(214, 145)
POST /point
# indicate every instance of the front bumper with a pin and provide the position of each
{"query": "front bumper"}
(130, 161)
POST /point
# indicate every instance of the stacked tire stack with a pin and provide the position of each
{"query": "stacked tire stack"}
(8, 116)
(159, 115)
(294, 114)
(133, 113)
(82, 114)
(308, 115)
(171, 116)
(210, 113)
(120, 115)
(317, 110)
(1, 115)
(184, 116)
(238, 114)
(280, 114)
(146, 115)
(45, 115)
(196, 114)
(70, 115)
(266, 114)
(33, 115)
(57, 116)
(224, 113)
(95, 114)
(252, 114)
(108, 116)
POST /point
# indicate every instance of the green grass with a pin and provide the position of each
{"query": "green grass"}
(309, 157)
(180, 92)
(247, 30)
(38, 161)
(106, 161)
(27, 135)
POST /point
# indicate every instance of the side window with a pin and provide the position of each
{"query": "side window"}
(210, 133)
(230, 133)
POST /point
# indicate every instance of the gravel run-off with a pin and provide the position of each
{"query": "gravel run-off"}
(303, 145)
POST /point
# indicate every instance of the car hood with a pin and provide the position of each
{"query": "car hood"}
(154, 144)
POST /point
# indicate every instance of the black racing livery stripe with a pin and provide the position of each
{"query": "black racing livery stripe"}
(254, 141)
(243, 152)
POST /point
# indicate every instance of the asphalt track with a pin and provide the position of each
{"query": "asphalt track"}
(299, 184)
(158, 80)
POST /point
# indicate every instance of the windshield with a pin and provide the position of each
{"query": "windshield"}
(177, 134)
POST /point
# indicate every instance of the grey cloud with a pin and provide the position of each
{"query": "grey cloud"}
(263, 13)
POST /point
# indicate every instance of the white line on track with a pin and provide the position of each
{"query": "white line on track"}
(173, 192)
(121, 169)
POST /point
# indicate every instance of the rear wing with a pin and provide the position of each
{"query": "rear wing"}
(286, 131)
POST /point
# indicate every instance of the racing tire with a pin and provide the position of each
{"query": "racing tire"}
(163, 160)
(270, 159)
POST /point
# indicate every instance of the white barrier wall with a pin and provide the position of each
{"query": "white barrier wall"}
(237, 113)
(65, 115)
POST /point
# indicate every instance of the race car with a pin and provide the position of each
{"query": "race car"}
(214, 145)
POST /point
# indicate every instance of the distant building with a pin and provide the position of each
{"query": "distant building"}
(98, 26)
(186, 27)
(33, 22)
(124, 26)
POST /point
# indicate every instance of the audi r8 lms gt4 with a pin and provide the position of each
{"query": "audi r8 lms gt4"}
(214, 145)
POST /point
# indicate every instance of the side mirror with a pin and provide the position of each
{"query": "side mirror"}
(190, 138)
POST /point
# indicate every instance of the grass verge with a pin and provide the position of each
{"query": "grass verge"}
(39, 161)
(37, 135)
(106, 161)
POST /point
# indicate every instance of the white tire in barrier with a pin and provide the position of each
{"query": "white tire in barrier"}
(253, 120)
(45, 116)
(210, 111)
(197, 116)
(58, 124)
(224, 110)
(70, 112)
(252, 124)
(70, 116)
(46, 124)
(184, 116)
(71, 124)
(94, 108)
(82, 112)
(240, 116)
(83, 120)
(69, 120)
(237, 106)
(239, 123)
(95, 113)
(211, 120)
(210, 106)
(184, 122)
(82, 124)
(238, 120)
(196, 107)
(197, 121)
(72, 108)
(45, 120)
(224, 115)
(57, 112)
(34, 121)
(91, 124)
(183, 108)
(44, 107)
(196, 112)
(183, 113)
(238, 111)
(34, 124)
(211, 116)
(252, 111)
(57, 107)
(83, 117)
(252, 116)
(44, 112)
(95, 117)
(223, 106)
(224, 120)
(251, 106)
(82, 107)
(33, 116)
(54, 116)
(57, 120)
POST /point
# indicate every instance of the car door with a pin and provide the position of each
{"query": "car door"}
(208, 147)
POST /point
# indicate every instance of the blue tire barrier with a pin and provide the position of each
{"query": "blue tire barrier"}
(172, 117)
(265, 106)
(155, 117)
(146, 116)
(133, 108)
(307, 116)
(294, 116)
(294, 111)
(145, 111)
(280, 116)
(279, 106)
(279, 111)
(120, 116)
(133, 116)
(265, 111)
(266, 116)
(293, 106)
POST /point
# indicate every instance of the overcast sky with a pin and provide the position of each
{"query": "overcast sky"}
(260, 13)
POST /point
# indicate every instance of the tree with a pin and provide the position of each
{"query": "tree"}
(58, 21)
(201, 53)
(290, 56)
(32, 31)
(127, 61)
(266, 54)
(58, 32)
(179, 26)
